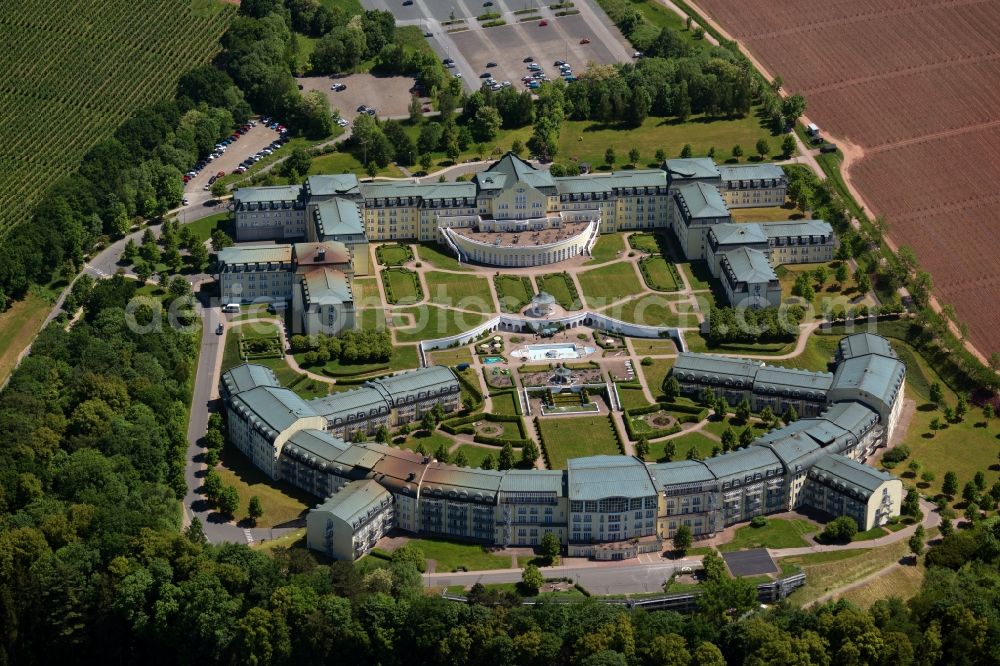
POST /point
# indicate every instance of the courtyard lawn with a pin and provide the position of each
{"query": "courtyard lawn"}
(577, 437)
(697, 343)
(476, 454)
(429, 440)
(402, 286)
(631, 397)
(560, 286)
(682, 444)
(656, 373)
(281, 501)
(697, 274)
(18, 327)
(609, 283)
(658, 274)
(504, 403)
(366, 293)
(652, 346)
(231, 351)
(404, 357)
(717, 427)
(439, 257)
(587, 141)
(652, 310)
(644, 242)
(450, 555)
(514, 292)
(394, 254)
(827, 296)
(429, 322)
(206, 226)
(607, 247)
(460, 291)
(818, 353)
(778, 533)
(451, 356)
(766, 214)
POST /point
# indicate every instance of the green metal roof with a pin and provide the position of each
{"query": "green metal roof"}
(689, 168)
(851, 416)
(701, 200)
(332, 185)
(607, 182)
(691, 365)
(356, 501)
(532, 481)
(247, 376)
(362, 400)
(802, 383)
(511, 169)
(860, 344)
(846, 474)
(796, 451)
(238, 255)
(744, 462)
(796, 228)
(745, 264)
(597, 477)
(390, 189)
(410, 384)
(321, 447)
(680, 472)
(325, 286)
(272, 409)
(763, 171)
(337, 218)
(730, 233)
(879, 376)
(248, 195)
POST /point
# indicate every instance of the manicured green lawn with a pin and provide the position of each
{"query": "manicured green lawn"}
(338, 162)
(873, 533)
(559, 286)
(606, 248)
(403, 286)
(653, 346)
(439, 257)
(718, 427)
(394, 254)
(587, 141)
(515, 292)
(697, 274)
(703, 445)
(204, 227)
(476, 454)
(433, 322)
(609, 283)
(644, 242)
(404, 357)
(696, 343)
(631, 397)
(778, 533)
(282, 502)
(577, 437)
(652, 310)
(503, 403)
(449, 555)
(460, 291)
(305, 387)
(656, 373)
(827, 296)
(18, 327)
(430, 441)
(366, 294)
(658, 274)
(451, 356)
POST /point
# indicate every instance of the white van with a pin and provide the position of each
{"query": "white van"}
(231, 307)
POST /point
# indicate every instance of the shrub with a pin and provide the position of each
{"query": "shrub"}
(647, 361)
(839, 530)
(897, 454)
(758, 521)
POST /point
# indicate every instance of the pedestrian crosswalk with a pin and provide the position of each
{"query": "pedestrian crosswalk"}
(249, 535)
(95, 271)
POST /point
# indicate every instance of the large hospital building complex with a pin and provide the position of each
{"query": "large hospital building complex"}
(607, 507)
(512, 214)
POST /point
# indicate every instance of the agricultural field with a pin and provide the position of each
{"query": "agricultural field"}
(91, 63)
(922, 122)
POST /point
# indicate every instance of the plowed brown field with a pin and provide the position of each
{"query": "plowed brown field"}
(916, 86)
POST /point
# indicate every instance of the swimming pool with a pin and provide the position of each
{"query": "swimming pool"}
(490, 360)
(553, 352)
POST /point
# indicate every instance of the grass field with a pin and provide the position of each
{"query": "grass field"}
(778, 533)
(631, 397)
(449, 555)
(459, 291)
(18, 327)
(558, 285)
(282, 502)
(404, 357)
(504, 404)
(652, 346)
(402, 285)
(343, 162)
(438, 257)
(609, 283)
(827, 296)
(515, 292)
(652, 310)
(682, 445)
(606, 248)
(656, 373)
(644, 242)
(696, 343)
(903, 582)
(577, 437)
(658, 275)
(766, 214)
(74, 71)
(475, 454)
(394, 254)
(433, 322)
(430, 441)
(825, 576)
(697, 274)
(451, 356)
(366, 292)
(204, 227)
(586, 141)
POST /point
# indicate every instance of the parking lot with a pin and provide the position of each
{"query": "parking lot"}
(509, 44)
(390, 95)
(250, 143)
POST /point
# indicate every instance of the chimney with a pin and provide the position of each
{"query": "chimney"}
(321, 254)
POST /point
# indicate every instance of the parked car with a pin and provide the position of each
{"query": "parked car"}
(407, 3)
(342, 122)
(184, 201)
(428, 34)
(337, 87)
(220, 329)
(559, 63)
(585, 40)
(485, 75)
(542, 23)
(528, 59)
(490, 64)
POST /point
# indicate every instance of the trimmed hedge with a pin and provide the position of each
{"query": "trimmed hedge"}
(528, 289)
(541, 443)
(648, 279)
(513, 393)
(693, 414)
(406, 248)
(457, 426)
(474, 390)
(418, 289)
